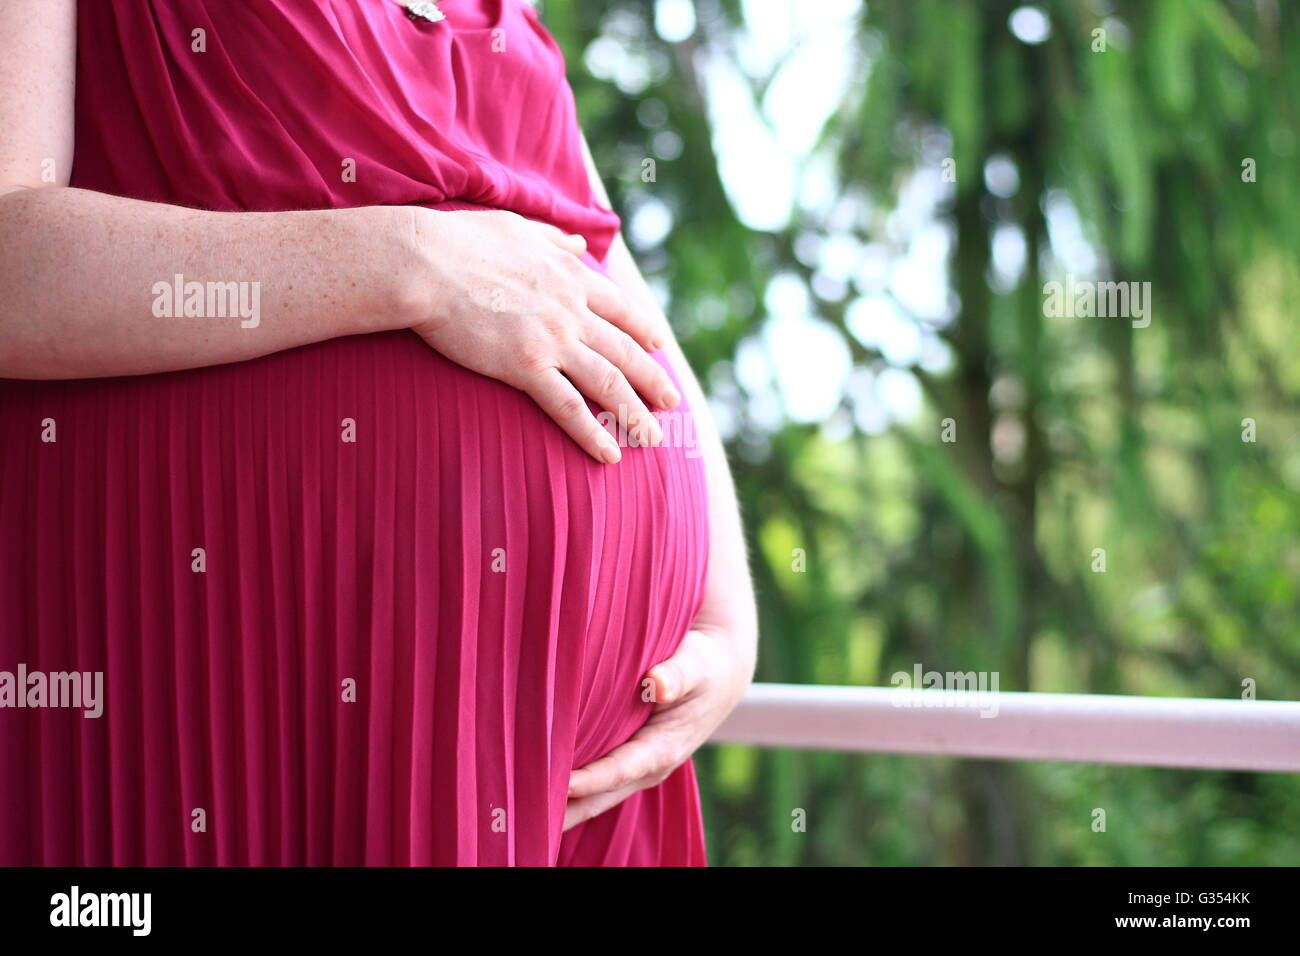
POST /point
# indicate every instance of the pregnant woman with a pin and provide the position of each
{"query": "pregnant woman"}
(348, 467)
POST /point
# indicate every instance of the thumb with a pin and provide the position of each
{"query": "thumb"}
(676, 676)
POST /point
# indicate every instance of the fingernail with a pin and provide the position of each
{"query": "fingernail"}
(609, 451)
(656, 343)
(671, 398)
(652, 432)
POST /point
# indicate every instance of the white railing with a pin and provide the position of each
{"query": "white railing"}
(1089, 728)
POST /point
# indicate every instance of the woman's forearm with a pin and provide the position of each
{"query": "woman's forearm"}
(89, 282)
(729, 593)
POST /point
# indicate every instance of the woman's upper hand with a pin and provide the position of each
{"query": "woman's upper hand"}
(511, 299)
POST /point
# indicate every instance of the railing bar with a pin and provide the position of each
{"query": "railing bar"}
(1258, 735)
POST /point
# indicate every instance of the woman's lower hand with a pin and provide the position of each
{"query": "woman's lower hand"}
(693, 692)
(510, 298)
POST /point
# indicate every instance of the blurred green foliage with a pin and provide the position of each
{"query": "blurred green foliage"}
(1073, 434)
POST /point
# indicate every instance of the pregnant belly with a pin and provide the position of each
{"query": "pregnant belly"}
(353, 558)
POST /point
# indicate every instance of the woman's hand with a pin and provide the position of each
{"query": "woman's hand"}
(510, 298)
(694, 691)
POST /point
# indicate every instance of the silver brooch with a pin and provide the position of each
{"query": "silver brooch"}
(424, 10)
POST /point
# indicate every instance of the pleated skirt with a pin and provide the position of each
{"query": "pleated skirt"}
(351, 604)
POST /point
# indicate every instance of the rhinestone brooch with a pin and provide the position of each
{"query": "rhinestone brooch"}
(424, 10)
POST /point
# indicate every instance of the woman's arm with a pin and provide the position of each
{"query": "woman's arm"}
(83, 272)
(696, 688)
(77, 287)
(79, 269)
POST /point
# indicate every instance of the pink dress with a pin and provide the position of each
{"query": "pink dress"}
(391, 650)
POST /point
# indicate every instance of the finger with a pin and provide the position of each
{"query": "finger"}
(608, 301)
(624, 765)
(644, 374)
(582, 810)
(557, 397)
(604, 383)
(569, 242)
(678, 676)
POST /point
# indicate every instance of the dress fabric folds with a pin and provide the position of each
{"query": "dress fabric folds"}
(351, 603)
